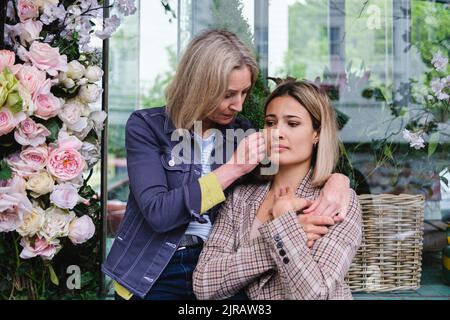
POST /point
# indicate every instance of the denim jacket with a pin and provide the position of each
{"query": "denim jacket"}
(165, 196)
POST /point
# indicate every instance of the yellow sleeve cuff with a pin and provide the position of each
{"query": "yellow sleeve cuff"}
(122, 291)
(212, 193)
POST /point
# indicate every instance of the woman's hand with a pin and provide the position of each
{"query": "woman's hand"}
(285, 201)
(334, 199)
(249, 153)
(315, 226)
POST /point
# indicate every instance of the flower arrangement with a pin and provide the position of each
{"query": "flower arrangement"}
(49, 128)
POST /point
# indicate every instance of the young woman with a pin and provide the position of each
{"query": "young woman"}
(172, 203)
(262, 240)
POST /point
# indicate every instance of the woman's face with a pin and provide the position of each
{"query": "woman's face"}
(239, 83)
(291, 132)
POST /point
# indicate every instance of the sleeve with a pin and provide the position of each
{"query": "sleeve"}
(222, 269)
(211, 192)
(163, 209)
(313, 274)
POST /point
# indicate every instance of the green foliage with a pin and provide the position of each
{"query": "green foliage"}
(5, 171)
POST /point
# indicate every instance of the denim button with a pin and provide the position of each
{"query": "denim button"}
(149, 279)
(171, 163)
(282, 252)
(197, 172)
(280, 244)
(285, 260)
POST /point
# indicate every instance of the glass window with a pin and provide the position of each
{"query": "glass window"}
(373, 58)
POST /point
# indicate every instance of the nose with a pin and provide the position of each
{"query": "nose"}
(236, 105)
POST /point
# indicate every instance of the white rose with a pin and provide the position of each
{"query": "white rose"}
(32, 222)
(93, 73)
(90, 153)
(57, 222)
(68, 83)
(39, 184)
(65, 196)
(90, 93)
(75, 70)
(81, 229)
(71, 115)
(82, 81)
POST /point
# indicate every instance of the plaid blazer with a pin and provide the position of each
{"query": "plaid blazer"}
(277, 264)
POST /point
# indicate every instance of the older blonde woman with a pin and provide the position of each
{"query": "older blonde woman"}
(171, 207)
(262, 241)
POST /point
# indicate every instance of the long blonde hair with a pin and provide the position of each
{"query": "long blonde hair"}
(201, 79)
(317, 103)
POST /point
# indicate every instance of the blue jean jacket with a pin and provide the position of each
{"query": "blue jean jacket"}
(164, 198)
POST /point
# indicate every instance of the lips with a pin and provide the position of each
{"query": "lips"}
(279, 147)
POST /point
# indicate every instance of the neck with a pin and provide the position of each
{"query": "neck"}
(291, 175)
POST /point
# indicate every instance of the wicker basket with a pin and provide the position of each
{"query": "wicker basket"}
(390, 255)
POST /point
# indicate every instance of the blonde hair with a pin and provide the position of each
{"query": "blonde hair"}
(201, 79)
(317, 103)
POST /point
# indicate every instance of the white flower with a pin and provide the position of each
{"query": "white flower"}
(81, 229)
(82, 81)
(437, 86)
(90, 93)
(40, 183)
(109, 27)
(52, 13)
(65, 196)
(56, 223)
(28, 31)
(93, 73)
(91, 153)
(75, 70)
(71, 115)
(68, 83)
(32, 222)
(99, 118)
(439, 61)
(126, 7)
(414, 139)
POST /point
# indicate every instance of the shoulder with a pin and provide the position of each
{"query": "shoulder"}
(148, 114)
(152, 119)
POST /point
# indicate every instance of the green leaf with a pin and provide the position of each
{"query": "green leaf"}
(5, 171)
(53, 277)
(388, 152)
(433, 143)
(54, 128)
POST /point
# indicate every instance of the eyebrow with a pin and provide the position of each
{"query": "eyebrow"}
(289, 116)
(234, 91)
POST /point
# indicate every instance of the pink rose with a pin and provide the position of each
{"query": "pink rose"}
(7, 59)
(27, 9)
(31, 133)
(12, 209)
(65, 164)
(46, 104)
(37, 246)
(30, 77)
(65, 196)
(21, 167)
(46, 58)
(81, 229)
(8, 121)
(35, 156)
